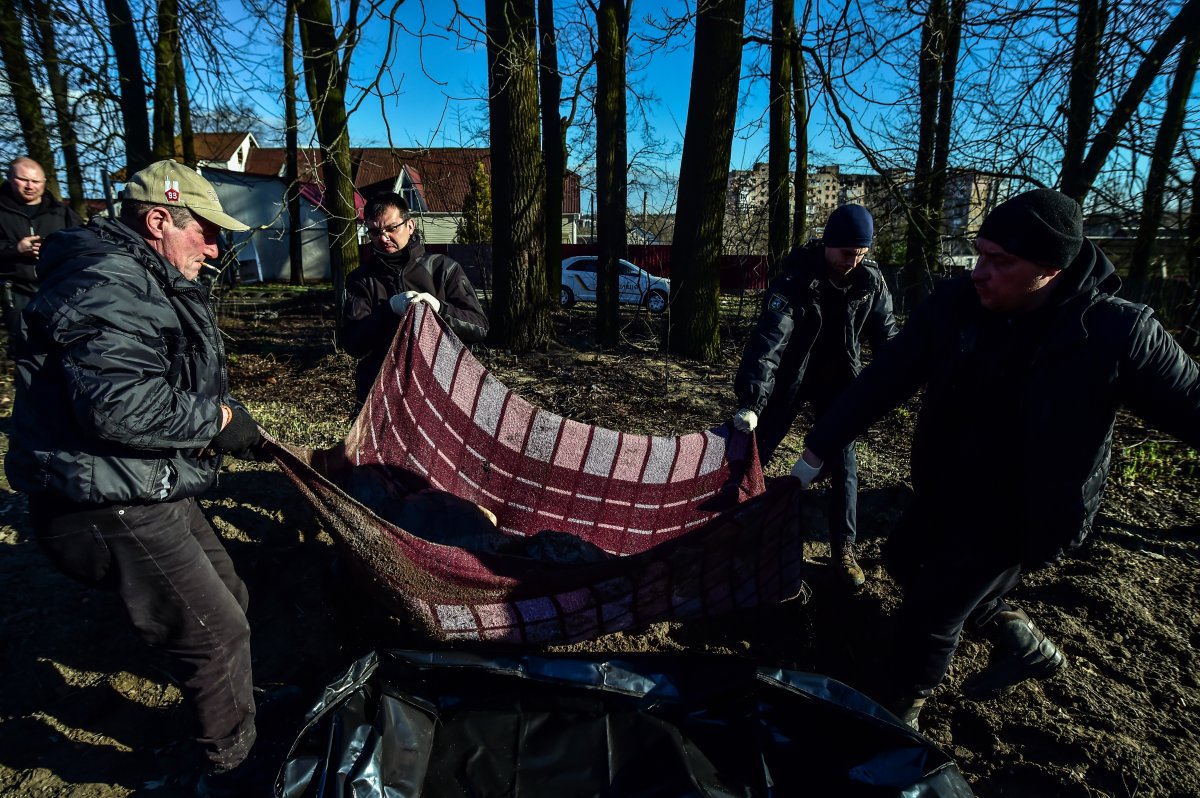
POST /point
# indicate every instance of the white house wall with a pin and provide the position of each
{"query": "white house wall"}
(259, 202)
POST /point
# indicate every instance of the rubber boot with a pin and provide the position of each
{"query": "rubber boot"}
(1020, 651)
(907, 709)
(841, 558)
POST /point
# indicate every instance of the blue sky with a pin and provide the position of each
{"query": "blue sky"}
(434, 83)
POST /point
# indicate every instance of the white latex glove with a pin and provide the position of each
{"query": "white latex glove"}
(745, 420)
(804, 471)
(400, 302)
(428, 299)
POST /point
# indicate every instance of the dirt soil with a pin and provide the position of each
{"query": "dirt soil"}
(88, 711)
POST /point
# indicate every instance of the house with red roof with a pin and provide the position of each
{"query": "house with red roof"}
(434, 181)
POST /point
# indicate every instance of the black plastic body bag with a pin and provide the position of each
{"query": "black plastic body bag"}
(408, 723)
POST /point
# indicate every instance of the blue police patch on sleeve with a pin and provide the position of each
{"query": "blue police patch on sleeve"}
(777, 303)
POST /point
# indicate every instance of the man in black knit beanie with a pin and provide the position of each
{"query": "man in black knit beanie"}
(1024, 364)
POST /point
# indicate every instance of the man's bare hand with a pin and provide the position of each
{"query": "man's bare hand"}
(30, 245)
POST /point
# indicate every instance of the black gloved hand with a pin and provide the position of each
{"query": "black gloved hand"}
(240, 437)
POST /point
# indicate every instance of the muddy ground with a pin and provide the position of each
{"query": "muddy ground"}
(87, 711)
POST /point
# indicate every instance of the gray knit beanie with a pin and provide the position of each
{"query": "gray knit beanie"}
(1043, 226)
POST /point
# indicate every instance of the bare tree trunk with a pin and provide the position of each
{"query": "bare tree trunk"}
(133, 103)
(921, 253)
(186, 134)
(611, 165)
(1081, 93)
(1193, 229)
(162, 131)
(703, 174)
(1160, 166)
(554, 144)
(321, 62)
(779, 159)
(292, 175)
(1185, 22)
(951, 36)
(26, 98)
(1190, 336)
(43, 30)
(800, 100)
(520, 313)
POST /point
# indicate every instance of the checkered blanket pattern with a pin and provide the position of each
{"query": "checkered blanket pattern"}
(685, 513)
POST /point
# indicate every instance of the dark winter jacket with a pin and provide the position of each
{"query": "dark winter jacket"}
(780, 351)
(120, 386)
(369, 323)
(1014, 438)
(17, 221)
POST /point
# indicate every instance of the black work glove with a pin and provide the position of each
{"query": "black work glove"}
(240, 437)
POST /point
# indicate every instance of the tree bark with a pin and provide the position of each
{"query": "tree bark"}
(133, 103)
(921, 251)
(694, 328)
(520, 310)
(47, 41)
(1160, 165)
(800, 101)
(936, 200)
(779, 159)
(186, 134)
(26, 99)
(554, 144)
(322, 64)
(291, 176)
(611, 165)
(1081, 92)
(162, 132)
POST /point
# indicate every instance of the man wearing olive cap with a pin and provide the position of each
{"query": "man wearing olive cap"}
(121, 419)
(1024, 364)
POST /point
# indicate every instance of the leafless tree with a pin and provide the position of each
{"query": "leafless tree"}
(520, 311)
(703, 172)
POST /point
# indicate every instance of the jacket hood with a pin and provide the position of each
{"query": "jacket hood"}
(9, 201)
(1091, 271)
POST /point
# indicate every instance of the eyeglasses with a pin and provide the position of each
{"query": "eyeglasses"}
(386, 231)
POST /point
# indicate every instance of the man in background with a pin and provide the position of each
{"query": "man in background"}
(399, 273)
(28, 214)
(121, 419)
(806, 347)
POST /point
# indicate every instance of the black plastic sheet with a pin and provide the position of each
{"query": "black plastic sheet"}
(408, 723)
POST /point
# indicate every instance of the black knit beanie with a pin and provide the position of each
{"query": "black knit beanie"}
(849, 226)
(1043, 226)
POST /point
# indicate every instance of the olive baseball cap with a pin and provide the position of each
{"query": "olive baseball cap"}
(171, 183)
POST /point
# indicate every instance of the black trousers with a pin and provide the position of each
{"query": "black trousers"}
(182, 594)
(945, 589)
(777, 418)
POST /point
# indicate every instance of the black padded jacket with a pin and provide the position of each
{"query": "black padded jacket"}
(121, 384)
(17, 221)
(369, 325)
(779, 351)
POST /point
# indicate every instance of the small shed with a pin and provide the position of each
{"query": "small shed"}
(260, 201)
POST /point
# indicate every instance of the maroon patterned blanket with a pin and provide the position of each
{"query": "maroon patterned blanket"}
(686, 517)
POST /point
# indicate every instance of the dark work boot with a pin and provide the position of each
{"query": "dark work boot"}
(845, 566)
(1020, 651)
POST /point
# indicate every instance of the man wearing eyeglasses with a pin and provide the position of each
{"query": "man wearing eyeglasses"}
(400, 272)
